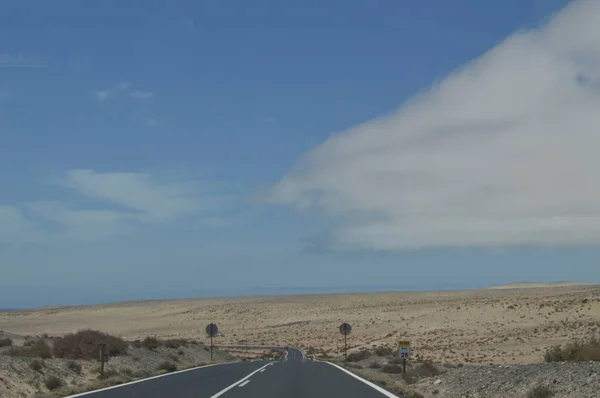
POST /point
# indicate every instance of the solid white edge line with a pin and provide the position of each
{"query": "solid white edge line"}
(367, 382)
(244, 383)
(223, 391)
(149, 378)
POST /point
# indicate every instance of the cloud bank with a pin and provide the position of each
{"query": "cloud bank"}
(504, 151)
(104, 205)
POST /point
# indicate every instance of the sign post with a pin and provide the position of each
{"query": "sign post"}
(404, 353)
(211, 330)
(345, 330)
(103, 356)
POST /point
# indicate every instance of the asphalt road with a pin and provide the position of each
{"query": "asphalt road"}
(294, 377)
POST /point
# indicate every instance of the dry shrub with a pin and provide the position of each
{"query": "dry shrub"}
(6, 342)
(108, 373)
(383, 351)
(74, 367)
(84, 345)
(358, 356)
(39, 349)
(410, 377)
(375, 365)
(584, 350)
(168, 366)
(427, 369)
(53, 382)
(175, 343)
(395, 360)
(127, 372)
(150, 343)
(36, 365)
(540, 391)
(391, 368)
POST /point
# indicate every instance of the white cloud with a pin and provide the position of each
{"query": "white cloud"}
(102, 96)
(141, 95)
(505, 151)
(137, 192)
(116, 90)
(15, 227)
(83, 224)
(107, 205)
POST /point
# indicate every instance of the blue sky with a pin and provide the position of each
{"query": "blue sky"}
(153, 150)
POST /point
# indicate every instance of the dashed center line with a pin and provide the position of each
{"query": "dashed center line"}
(241, 382)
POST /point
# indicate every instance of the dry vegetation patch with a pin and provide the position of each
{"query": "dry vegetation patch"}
(84, 345)
(581, 350)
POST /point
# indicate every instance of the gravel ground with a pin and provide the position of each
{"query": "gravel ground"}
(564, 379)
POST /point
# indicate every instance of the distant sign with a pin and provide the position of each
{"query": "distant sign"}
(345, 329)
(103, 352)
(212, 329)
(404, 349)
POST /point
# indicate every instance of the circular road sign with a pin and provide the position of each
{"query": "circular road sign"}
(345, 329)
(212, 329)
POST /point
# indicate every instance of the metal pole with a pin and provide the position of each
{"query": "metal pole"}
(211, 347)
(101, 362)
(403, 365)
(345, 347)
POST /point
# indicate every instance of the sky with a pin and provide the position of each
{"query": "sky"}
(154, 150)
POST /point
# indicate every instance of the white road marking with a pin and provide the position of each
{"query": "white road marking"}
(262, 370)
(244, 383)
(148, 378)
(375, 386)
(223, 391)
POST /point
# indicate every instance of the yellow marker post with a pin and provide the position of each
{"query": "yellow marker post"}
(404, 353)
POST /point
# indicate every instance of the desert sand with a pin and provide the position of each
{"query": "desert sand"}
(488, 326)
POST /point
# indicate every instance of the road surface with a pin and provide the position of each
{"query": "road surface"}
(293, 377)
